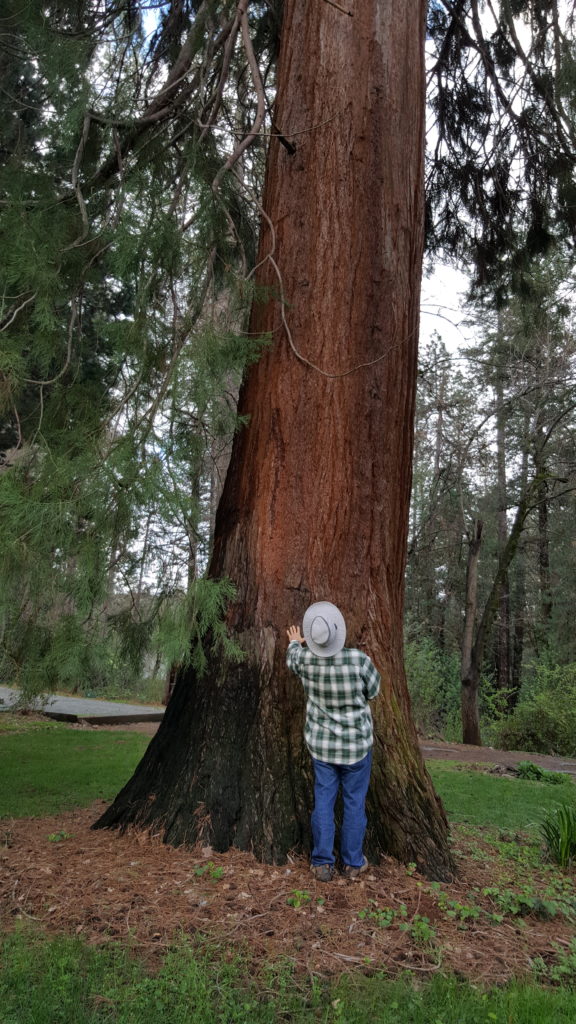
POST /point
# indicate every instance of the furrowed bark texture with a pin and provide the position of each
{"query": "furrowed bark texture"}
(315, 504)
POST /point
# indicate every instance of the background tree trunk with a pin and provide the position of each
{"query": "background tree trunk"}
(470, 668)
(503, 640)
(316, 498)
(519, 603)
(473, 649)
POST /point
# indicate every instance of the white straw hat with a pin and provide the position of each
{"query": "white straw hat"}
(324, 629)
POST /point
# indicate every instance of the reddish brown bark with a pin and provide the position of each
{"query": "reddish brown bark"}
(315, 503)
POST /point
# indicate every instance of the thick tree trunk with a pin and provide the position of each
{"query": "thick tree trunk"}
(316, 498)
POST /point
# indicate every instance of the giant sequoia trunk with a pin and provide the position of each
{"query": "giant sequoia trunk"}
(315, 503)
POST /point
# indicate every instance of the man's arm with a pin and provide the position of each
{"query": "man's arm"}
(371, 677)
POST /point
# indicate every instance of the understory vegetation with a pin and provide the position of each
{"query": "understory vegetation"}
(542, 719)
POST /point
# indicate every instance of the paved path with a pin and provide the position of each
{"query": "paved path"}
(97, 712)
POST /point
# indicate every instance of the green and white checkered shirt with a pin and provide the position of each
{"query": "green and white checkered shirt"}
(338, 718)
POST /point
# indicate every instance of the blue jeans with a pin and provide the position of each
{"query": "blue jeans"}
(354, 779)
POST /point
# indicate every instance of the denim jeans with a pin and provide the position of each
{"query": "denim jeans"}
(354, 779)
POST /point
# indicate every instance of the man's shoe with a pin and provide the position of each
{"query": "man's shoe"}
(353, 873)
(323, 872)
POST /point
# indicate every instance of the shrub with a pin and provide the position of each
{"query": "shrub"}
(544, 722)
(559, 833)
(534, 773)
(434, 685)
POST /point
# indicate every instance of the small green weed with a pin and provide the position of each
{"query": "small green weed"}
(420, 930)
(526, 904)
(562, 971)
(382, 916)
(299, 898)
(559, 833)
(59, 837)
(210, 869)
(453, 909)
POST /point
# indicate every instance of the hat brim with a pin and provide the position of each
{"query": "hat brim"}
(328, 611)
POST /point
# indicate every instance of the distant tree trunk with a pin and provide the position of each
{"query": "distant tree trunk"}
(170, 681)
(470, 669)
(473, 646)
(519, 603)
(503, 621)
(315, 503)
(439, 440)
(543, 627)
(519, 626)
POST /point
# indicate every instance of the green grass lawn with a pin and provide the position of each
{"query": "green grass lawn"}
(48, 769)
(475, 798)
(63, 980)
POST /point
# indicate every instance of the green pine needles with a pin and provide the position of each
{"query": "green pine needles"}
(122, 345)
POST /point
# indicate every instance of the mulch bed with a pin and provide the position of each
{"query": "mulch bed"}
(108, 886)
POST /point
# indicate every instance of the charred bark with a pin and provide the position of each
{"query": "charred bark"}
(315, 503)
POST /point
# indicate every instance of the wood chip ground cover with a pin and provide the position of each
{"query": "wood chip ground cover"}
(130, 887)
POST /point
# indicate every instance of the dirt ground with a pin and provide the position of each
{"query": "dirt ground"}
(439, 750)
(106, 886)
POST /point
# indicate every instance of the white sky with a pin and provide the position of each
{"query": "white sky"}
(442, 307)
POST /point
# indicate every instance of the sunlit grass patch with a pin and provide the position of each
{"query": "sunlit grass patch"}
(472, 797)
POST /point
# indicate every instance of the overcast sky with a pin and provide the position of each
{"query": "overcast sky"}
(442, 308)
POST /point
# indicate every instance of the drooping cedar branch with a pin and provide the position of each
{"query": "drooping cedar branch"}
(500, 179)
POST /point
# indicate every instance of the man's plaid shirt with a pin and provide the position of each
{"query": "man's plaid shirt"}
(338, 719)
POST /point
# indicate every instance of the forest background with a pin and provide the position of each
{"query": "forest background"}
(129, 240)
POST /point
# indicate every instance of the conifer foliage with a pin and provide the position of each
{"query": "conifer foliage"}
(120, 338)
(502, 78)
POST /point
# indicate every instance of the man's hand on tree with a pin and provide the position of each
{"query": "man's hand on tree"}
(294, 634)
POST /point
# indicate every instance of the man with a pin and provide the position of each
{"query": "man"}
(338, 682)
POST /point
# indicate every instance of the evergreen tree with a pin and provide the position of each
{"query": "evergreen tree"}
(521, 388)
(110, 341)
